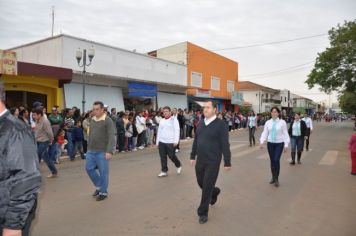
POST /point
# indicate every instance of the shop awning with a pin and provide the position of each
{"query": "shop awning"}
(199, 103)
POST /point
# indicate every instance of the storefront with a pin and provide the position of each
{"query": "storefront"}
(33, 82)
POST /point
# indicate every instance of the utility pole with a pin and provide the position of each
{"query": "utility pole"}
(52, 21)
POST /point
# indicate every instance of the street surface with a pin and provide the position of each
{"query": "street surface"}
(315, 198)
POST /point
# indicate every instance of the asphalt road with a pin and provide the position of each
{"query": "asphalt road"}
(315, 198)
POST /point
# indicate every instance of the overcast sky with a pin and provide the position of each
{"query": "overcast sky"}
(146, 25)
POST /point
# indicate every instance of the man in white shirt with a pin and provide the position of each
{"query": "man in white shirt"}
(308, 121)
(167, 140)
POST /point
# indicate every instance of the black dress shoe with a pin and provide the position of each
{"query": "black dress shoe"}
(272, 181)
(203, 219)
(215, 196)
(292, 163)
(101, 197)
(96, 193)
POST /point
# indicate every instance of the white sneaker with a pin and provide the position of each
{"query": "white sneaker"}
(179, 170)
(177, 150)
(141, 147)
(134, 150)
(162, 174)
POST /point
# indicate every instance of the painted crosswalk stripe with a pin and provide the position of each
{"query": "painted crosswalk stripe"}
(329, 158)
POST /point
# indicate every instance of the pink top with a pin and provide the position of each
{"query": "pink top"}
(352, 143)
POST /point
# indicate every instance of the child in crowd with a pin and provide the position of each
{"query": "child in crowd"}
(61, 142)
(78, 139)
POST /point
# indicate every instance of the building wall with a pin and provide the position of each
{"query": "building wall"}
(211, 64)
(176, 53)
(172, 100)
(47, 86)
(60, 51)
(47, 52)
(109, 95)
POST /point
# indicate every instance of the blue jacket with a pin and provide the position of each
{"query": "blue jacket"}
(77, 134)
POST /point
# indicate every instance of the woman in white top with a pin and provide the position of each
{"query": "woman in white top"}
(252, 125)
(276, 134)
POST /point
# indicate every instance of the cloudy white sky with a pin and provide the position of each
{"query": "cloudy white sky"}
(146, 25)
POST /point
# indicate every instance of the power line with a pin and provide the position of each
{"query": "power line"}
(271, 43)
(292, 68)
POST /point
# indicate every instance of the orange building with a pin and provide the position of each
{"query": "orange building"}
(209, 75)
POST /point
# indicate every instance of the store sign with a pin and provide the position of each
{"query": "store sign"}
(203, 93)
(8, 63)
(237, 98)
(142, 90)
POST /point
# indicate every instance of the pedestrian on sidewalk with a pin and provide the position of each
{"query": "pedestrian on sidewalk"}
(100, 150)
(297, 132)
(308, 121)
(252, 125)
(20, 178)
(78, 140)
(276, 134)
(211, 142)
(352, 148)
(167, 141)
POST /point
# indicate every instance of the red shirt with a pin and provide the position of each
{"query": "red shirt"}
(60, 140)
(352, 143)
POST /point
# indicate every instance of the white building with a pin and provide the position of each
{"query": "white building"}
(110, 73)
(261, 97)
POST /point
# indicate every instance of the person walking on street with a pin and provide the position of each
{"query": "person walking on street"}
(308, 121)
(100, 150)
(252, 125)
(352, 148)
(297, 131)
(167, 141)
(276, 134)
(20, 178)
(44, 138)
(211, 142)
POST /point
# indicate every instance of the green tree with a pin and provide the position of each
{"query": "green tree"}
(335, 68)
(347, 102)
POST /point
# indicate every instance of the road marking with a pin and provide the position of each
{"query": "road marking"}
(329, 158)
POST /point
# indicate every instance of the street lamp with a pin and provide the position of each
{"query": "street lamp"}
(83, 55)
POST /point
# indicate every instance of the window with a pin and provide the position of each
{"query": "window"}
(266, 95)
(230, 86)
(285, 99)
(215, 83)
(196, 79)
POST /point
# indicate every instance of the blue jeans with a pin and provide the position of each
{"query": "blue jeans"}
(70, 144)
(52, 151)
(297, 143)
(275, 152)
(42, 151)
(97, 168)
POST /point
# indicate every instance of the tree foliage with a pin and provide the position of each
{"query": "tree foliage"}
(335, 68)
(348, 102)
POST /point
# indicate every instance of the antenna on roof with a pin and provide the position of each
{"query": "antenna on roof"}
(52, 20)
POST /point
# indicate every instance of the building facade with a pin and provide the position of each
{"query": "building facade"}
(261, 97)
(118, 77)
(209, 75)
